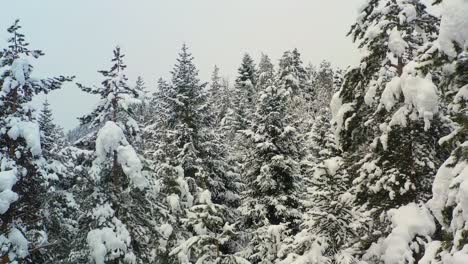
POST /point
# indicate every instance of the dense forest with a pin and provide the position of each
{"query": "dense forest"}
(289, 164)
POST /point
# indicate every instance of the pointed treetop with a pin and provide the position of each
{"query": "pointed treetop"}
(17, 43)
(118, 67)
(247, 71)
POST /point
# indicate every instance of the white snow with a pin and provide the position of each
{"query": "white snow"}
(430, 253)
(111, 139)
(19, 69)
(420, 93)
(29, 131)
(110, 243)
(391, 93)
(453, 26)
(7, 196)
(441, 186)
(173, 202)
(408, 222)
(396, 43)
(19, 244)
(103, 212)
(131, 165)
(205, 197)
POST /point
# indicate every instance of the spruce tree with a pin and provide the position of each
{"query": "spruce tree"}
(386, 115)
(291, 73)
(192, 165)
(272, 174)
(450, 183)
(386, 131)
(23, 177)
(117, 221)
(292, 77)
(265, 73)
(245, 95)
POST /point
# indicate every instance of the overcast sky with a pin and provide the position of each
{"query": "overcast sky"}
(78, 37)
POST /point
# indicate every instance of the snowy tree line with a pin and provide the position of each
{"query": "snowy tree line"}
(291, 164)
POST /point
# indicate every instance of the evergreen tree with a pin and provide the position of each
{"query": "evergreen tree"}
(332, 222)
(291, 73)
(293, 77)
(450, 183)
(272, 174)
(217, 93)
(23, 177)
(193, 163)
(265, 73)
(323, 88)
(387, 131)
(245, 95)
(389, 134)
(117, 221)
(52, 136)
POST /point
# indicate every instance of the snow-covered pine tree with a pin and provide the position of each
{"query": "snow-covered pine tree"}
(331, 222)
(192, 163)
(292, 76)
(245, 95)
(388, 132)
(141, 108)
(23, 178)
(52, 136)
(387, 119)
(448, 204)
(272, 173)
(265, 73)
(117, 222)
(218, 98)
(324, 88)
(61, 209)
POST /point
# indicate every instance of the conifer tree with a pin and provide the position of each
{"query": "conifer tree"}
(388, 132)
(272, 174)
(245, 95)
(117, 221)
(386, 116)
(450, 183)
(265, 73)
(52, 136)
(193, 166)
(23, 177)
(291, 73)
(292, 76)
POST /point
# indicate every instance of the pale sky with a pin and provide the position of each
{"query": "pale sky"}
(78, 37)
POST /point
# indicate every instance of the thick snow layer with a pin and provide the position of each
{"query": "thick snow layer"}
(7, 196)
(19, 68)
(408, 222)
(396, 43)
(391, 93)
(430, 253)
(110, 243)
(131, 165)
(420, 92)
(29, 131)
(103, 212)
(441, 186)
(19, 244)
(453, 26)
(110, 139)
